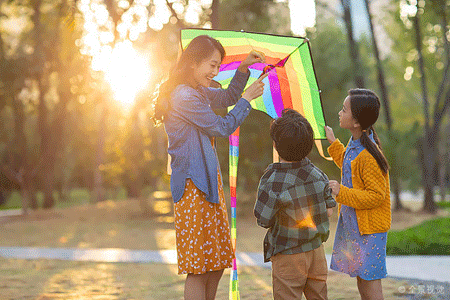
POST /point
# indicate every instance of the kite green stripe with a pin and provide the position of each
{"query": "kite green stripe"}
(314, 90)
(310, 94)
(232, 39)
(235, 286)
(260, 38)
(226, 82)
(244, 43)
(258, 104)
(305, 89)
(232, 42)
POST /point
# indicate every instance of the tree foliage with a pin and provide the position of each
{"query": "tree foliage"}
(62, 127)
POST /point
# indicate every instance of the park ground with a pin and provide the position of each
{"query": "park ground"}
(121, 224)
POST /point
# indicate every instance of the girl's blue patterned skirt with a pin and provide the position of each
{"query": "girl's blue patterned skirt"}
(355, 254)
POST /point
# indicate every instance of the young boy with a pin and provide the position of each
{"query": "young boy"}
(294, 203)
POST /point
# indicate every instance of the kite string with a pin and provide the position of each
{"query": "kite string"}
(248, 41)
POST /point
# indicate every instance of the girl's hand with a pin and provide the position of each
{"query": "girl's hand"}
(330, 134)
(329, 212)
(252, 58)
(255, 90)
(335, 187)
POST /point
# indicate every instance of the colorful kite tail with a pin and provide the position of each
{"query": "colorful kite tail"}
(233, 162)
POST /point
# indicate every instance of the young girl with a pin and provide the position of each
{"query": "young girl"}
(185, 106)
(363, 196)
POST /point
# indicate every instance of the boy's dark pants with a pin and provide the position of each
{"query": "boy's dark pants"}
(294, 274)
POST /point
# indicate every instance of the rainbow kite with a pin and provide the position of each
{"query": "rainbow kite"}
(291, 83)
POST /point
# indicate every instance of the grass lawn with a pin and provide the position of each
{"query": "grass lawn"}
(426, 237)
(443, 204)
(75, 197)
(431, 237)
(120, 224)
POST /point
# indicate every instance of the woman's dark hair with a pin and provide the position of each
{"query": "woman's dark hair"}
(200, 48)
(365, 107)
(293, 135)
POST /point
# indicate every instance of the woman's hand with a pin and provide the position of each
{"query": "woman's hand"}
(255, 90)
(335, 187)
(330, 134)
(252, 58)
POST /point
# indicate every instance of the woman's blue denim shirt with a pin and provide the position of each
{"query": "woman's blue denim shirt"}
(191, 123)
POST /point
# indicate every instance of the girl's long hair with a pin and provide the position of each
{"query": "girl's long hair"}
(200, 48)
(365, 107)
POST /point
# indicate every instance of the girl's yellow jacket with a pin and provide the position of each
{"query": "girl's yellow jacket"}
(370, 195)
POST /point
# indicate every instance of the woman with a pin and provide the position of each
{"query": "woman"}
(185, 106)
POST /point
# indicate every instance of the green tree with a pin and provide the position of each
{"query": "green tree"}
(386, 106)
(437, 13)
(420, 62)
(49, 73)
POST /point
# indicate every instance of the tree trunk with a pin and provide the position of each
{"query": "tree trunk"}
(47, 171)
(381, 81)
(443, 154)
(32, 199)
(46, 145)
(55, 130)
(446, 151)
(99, 192)
(429, 204)
(49, 201)
(385, 99)
(25, 194)
(2, 197)
(434, 140)
(54, 145)
(23, 176)
(215, 20)
(354, 51)
(429, 159)
(442, 172)
(445, 165)
(135, 138)
(145, 202)
(428, 162)
(64, 193)
(396, 191)
(38, 70)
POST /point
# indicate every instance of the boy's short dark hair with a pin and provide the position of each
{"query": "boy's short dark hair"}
(293, 135)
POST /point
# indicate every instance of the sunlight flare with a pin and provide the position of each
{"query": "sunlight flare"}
(307, 222)
(127, 72)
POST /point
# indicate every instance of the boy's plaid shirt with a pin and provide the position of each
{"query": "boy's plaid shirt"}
(292, 203)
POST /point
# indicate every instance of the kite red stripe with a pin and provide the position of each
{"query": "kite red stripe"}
(284, 87)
